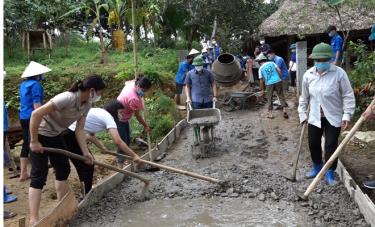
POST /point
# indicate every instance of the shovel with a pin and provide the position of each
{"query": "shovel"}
(184, 172)
(334, 156)
(292, 176)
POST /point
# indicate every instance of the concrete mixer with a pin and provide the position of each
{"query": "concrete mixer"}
(227, 70)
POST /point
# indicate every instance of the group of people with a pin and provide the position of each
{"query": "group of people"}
(194, 74)
(67, 121)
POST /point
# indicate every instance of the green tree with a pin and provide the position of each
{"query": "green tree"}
(93, 8)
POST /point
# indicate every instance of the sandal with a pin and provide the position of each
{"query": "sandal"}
(9, 214)
(286, 115)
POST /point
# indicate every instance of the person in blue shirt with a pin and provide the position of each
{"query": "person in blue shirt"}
(293, 65)
(279, 61)
(264, 47)
(206, 58)
(336, 44)
(31, 97)
(371, 38)
(184, 67)
(271, 75)
(200, 90)
(216, 48)
(8, 159)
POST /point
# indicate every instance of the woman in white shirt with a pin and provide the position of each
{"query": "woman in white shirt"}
(97, 120)
(327, 89)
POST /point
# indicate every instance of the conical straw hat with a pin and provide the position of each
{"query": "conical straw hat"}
(34, 69)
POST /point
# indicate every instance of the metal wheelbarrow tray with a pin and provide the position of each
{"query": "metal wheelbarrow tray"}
(203, 117)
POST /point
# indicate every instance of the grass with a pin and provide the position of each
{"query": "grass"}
(82, 59)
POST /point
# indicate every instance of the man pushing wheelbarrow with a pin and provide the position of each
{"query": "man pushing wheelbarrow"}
(201, 97)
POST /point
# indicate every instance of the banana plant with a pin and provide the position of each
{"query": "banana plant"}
(93, 8)
(117, 12)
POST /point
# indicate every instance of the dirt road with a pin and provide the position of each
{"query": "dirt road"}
(251, 153)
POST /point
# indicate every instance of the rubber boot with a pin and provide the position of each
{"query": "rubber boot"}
(314, 171)
(330, 177)
(197, 135)
(9, 198)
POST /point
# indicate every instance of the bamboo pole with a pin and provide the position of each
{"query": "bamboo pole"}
(81, 158)
(134, 40)
(184, 172)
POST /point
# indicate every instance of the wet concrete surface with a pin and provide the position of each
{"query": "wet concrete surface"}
(251, 154)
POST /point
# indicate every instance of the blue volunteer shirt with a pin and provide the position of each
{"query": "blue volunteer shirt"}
(216, 51)
(372, 35)
(5, 122)
(336, 44)
(31, 91)
(293, 58)
(279, 61)
(201, 85)
(183, 68)
(268, 72)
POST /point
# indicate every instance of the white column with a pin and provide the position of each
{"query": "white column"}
(301, 51)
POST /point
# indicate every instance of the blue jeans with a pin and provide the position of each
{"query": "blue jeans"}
(7, 158)
(124, 131)
(201, 105)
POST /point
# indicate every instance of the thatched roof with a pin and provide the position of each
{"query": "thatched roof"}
(304, 17)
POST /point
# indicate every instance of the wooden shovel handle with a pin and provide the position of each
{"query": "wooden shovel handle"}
(81, 158)
(184, 172)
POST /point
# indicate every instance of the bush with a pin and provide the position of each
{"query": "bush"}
(362, 74)
(364, 66)
(161, 116)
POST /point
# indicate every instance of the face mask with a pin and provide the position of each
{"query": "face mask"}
(331, 34)
(199, 68)
(262, 42)
(94, 97)
(271, 57)
(213, 42)
(141, 93)
(293, 51)
(322, 66)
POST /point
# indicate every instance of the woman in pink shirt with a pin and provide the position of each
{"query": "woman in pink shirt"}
(131, 97)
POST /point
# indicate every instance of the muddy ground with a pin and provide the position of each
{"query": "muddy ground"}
(359, 159)
(252, 152)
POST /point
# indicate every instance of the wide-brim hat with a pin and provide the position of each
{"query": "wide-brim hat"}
(261, 57)
(193, 52)
(34, 69)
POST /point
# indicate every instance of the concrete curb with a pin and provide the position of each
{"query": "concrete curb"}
(365, 204)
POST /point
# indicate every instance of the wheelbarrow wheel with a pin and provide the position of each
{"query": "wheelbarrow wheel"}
(229, 104)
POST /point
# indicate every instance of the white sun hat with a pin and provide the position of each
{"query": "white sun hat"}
(193, 52)
(34, 69)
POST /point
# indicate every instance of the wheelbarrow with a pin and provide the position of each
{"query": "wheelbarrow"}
(208, 119)
(241, 99)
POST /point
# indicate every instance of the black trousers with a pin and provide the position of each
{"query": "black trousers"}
(39, 162)
(293, 75)
(331, 134)
(25, 151)
(85, 172)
